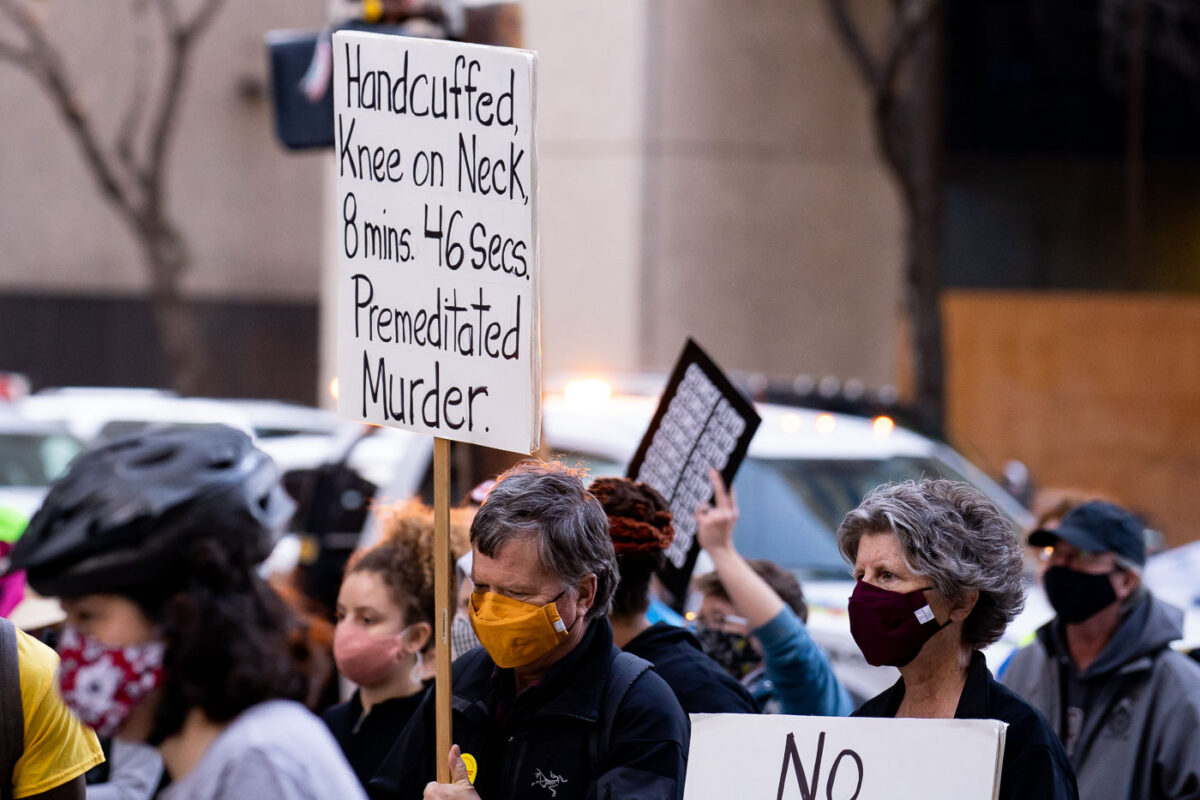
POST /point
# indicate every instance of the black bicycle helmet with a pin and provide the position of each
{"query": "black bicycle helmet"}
(124, 514)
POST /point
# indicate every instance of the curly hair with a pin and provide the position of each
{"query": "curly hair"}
(954, 537)
(642, 527)
(231, 642)
(404, 558)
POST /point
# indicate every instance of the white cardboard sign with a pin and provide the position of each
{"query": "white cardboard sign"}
(776, 757)
(438, 317)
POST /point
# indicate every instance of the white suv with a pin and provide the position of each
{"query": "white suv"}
(804, 470)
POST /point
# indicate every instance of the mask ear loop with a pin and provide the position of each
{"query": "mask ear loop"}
(933, 617)
(578, 616)
(418, 668)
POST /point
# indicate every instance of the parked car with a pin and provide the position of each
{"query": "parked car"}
(32, 455)
(805, 469)
(97, 415)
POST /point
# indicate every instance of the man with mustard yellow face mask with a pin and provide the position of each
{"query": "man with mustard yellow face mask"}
(548, 707)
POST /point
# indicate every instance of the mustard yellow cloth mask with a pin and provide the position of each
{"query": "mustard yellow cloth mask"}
(515, 633)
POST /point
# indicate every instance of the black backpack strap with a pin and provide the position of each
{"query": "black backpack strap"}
(622, 672)
(12, 717)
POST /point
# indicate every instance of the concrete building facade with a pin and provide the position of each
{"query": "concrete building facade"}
(705, 171)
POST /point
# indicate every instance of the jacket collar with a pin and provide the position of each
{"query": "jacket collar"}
(663, 633)
(573, 687)
(1146, 628)
(975, 702)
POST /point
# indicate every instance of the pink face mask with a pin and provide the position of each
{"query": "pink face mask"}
(365, 659)
(103, 684)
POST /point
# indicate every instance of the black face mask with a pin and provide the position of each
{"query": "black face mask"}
(733, 651)
(1075, 595)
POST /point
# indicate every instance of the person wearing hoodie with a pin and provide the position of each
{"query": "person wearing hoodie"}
(641, 526)
(1125, 705)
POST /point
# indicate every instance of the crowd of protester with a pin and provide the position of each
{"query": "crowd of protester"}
(182, 674)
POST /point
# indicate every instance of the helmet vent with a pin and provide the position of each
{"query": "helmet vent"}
(153, 458)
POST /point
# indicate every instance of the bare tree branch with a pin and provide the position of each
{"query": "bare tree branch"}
(163, 115)
(129, 177)
(13, 11)
(904, 112)
(46, 64)
(171, 17)
(203, 17)
(180, 37)
(15, 54)
(910, 21)
(138, 93)
(852, 37)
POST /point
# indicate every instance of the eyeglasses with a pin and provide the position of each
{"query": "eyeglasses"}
(1073, 557)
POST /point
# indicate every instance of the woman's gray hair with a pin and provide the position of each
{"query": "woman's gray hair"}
(549, 500)
(953, 536)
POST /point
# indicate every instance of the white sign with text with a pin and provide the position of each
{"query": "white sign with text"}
(438, 310)
(776, 757)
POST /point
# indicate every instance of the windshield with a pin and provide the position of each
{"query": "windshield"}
(29, 459)
(806, 500)
(789, 509)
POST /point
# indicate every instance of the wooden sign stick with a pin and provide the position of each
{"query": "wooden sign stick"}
(442, 594)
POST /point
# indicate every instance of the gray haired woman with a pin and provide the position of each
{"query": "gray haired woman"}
(938, 571)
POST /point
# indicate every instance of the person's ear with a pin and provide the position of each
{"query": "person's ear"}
(416, 637)
(1125, 583)
(585, 592)
(962, 609)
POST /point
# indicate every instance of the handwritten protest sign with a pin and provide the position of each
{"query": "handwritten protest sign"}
(775, 757)
(438, 317)
(702, 423)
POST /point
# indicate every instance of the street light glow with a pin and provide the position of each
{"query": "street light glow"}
(588, 393)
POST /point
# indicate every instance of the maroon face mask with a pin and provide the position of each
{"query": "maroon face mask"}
(890, 627)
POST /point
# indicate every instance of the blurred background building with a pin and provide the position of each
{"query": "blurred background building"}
(710, 170)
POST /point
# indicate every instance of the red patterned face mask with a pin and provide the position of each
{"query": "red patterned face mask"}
(103, 684)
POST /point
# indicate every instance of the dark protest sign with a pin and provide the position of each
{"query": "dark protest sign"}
(777, 757)
(436, 238)
(702, 423)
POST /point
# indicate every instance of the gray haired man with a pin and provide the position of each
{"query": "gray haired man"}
(548, 707)
(1125, 705)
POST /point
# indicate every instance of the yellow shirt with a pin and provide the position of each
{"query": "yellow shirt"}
(58, 747)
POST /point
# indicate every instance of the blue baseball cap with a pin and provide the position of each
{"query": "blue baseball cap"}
(1098, 527)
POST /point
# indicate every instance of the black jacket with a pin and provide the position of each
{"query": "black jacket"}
(700, 683)
(366, 740)
(1035, 766)
(542, 743)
